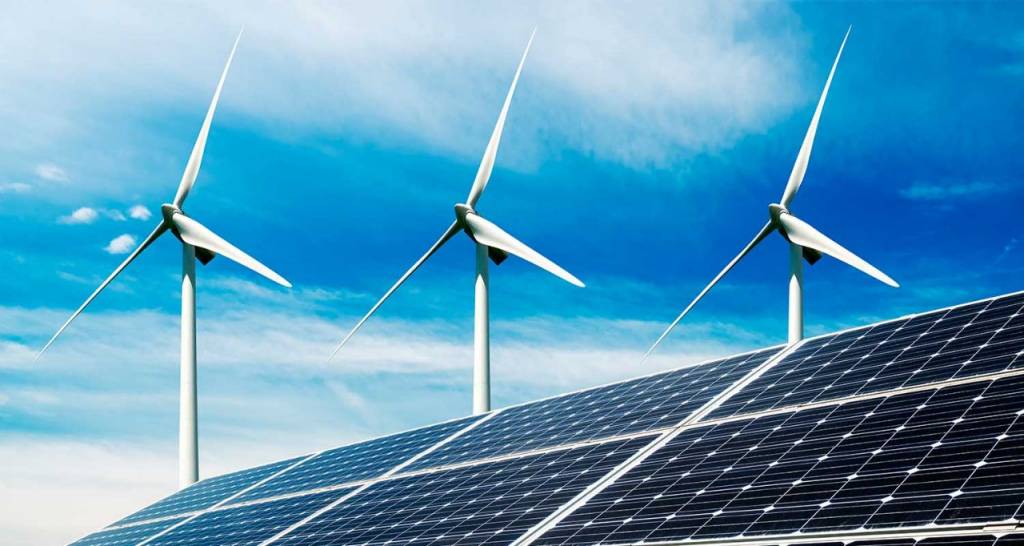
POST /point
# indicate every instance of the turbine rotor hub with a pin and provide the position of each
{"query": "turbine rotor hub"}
(461, 211)
(167, 210)
(776, 210)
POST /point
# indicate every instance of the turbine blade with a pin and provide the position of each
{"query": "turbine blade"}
(803, 234)
(483, 173)
(160, 229)
(188, 179)
(767, 229)
(796, 176)
(198, 235)
(448, 234)
(489, 234)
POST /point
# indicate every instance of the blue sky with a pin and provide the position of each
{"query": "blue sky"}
(641, 151)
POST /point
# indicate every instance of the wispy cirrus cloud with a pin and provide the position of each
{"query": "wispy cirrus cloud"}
(953, 190)
(15, 187)
(638, 87)
(261, 380)
(51, 172)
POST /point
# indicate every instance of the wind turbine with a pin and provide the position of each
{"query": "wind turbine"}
(491, 242)
(805, 242)
(197, 241)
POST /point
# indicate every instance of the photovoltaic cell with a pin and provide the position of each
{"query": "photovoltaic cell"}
(355, 462)
(648, 403)
(247, 525)
(945, 456)
(206, 493)
(974, 339)
(484, 504)
(125, 536)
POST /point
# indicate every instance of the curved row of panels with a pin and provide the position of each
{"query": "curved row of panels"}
(911, 423)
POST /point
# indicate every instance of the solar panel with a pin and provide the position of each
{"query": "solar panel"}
(125, 536)
(975, 339)
(249, 524)
(648, 403)
(481, 504)
(942, 456)
(355, 462)
(908, 432)
(206, 493)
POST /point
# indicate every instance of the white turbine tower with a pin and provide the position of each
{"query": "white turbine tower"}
(491, 242)
(197, 242)
(805, 242)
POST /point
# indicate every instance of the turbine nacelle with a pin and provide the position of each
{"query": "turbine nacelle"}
(169, 212)
(777, 220)
(462, 211)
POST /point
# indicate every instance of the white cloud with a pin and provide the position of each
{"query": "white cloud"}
(139, 212)
(88, 215)
(51, 172)
(82, 215)
(71, 481)
(638, 85)
(122, 244)
(939, 192)
(15, 187)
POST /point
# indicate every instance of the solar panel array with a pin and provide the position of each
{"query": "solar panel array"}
(941, 456)
(975, 339)
(909, 428)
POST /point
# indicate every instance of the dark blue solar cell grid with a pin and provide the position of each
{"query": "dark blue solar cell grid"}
(206, 493)
(247, 525)
(943, 456)
(125, 536)
(356, 462)
(975, 339)
(648, 403)
(484, 504)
